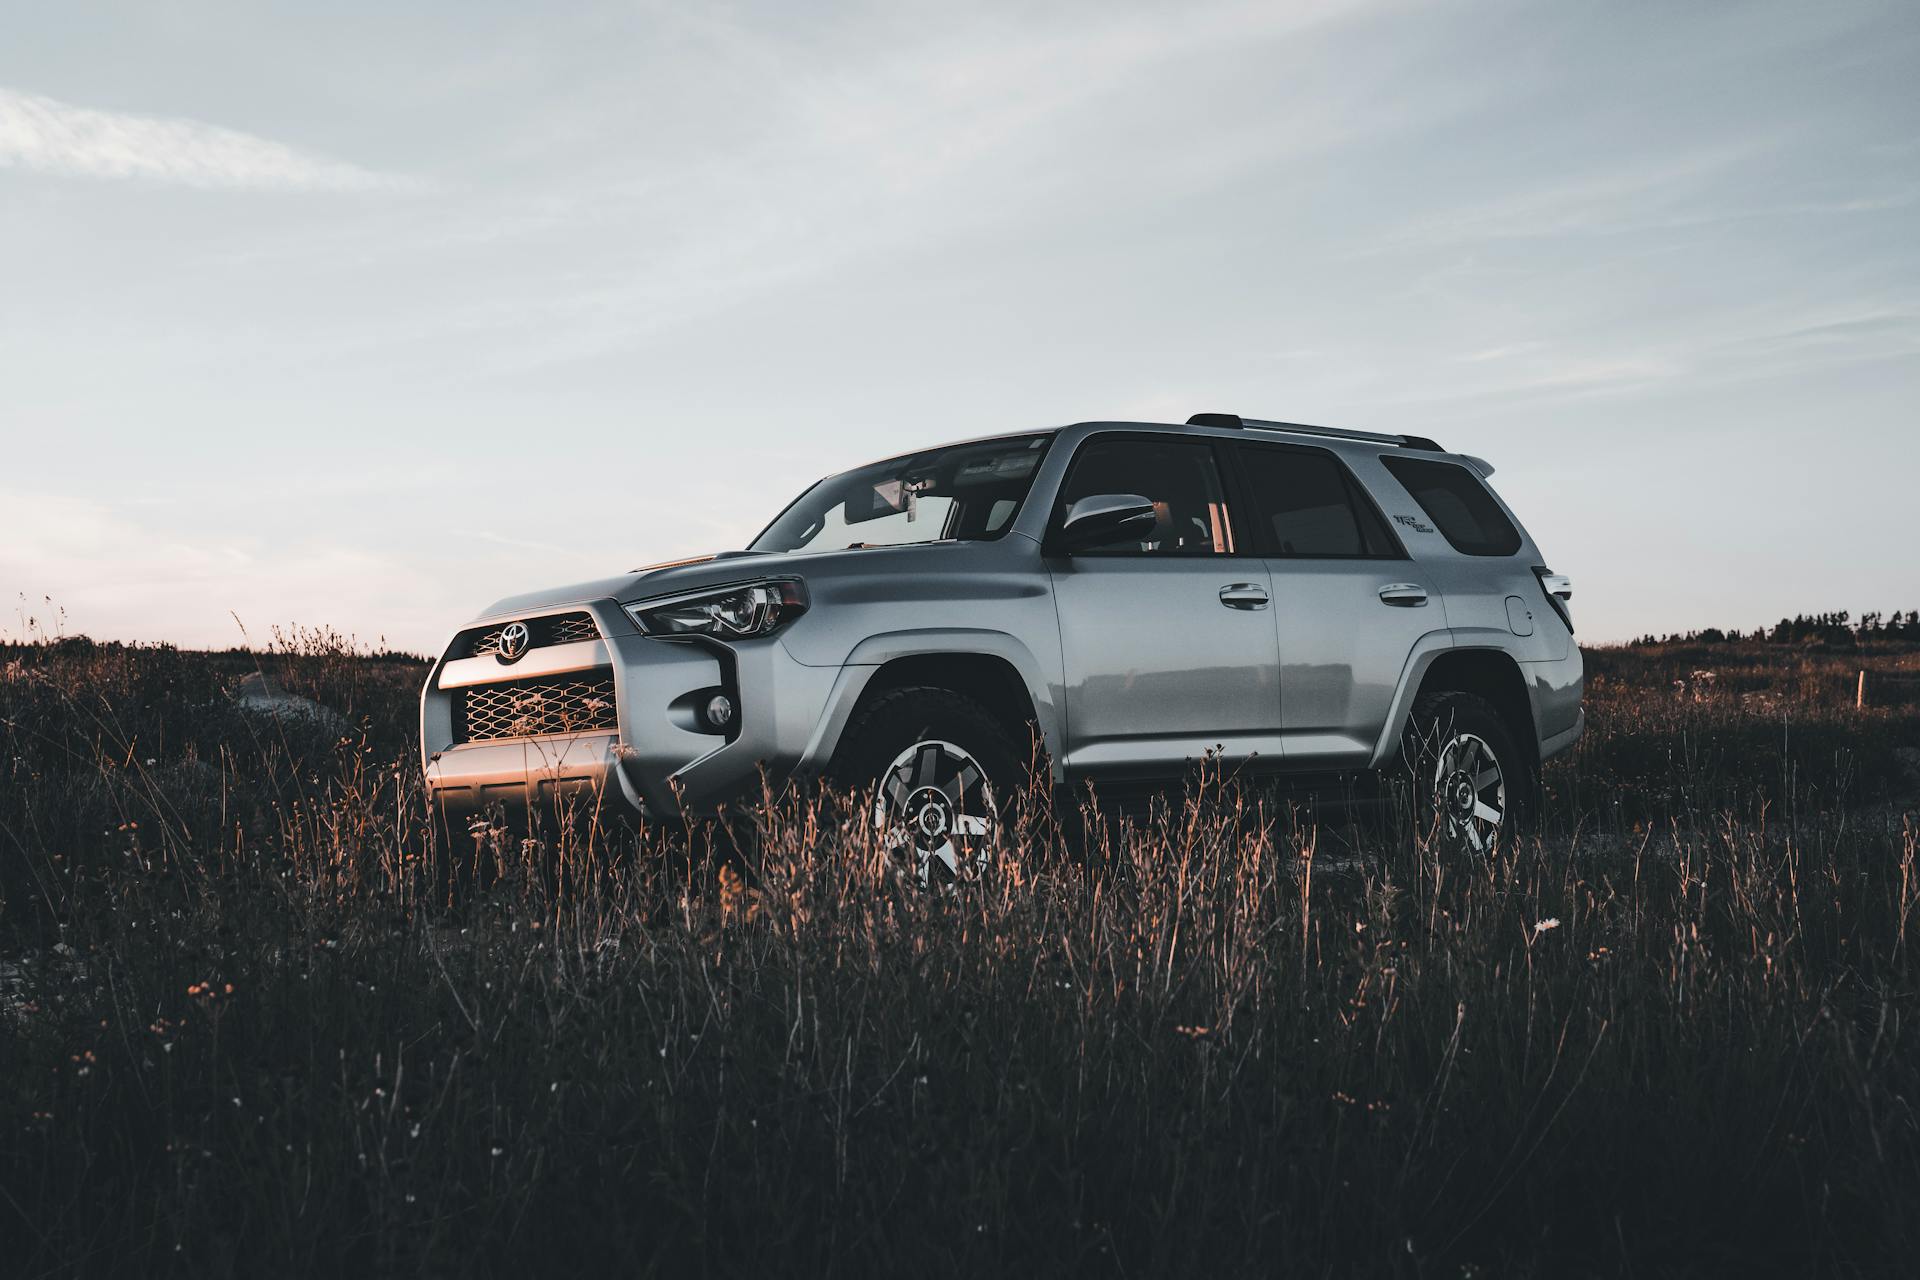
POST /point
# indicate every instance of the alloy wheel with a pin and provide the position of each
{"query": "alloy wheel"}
(1470, 791)
(934, 804)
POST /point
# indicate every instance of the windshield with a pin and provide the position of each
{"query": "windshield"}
(961, 492)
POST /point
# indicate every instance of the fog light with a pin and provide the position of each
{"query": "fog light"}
(719, 711)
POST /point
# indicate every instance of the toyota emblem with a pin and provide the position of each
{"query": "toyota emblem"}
(514, 641)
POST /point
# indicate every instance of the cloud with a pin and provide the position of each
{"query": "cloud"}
(851, 152)
(55, 137)
(1639, 195)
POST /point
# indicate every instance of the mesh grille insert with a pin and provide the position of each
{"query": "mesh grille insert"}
(561, 628)
(537, 708)
(569, 627)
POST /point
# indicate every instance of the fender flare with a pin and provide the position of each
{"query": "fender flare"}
(1425, 652)
(1413, 673)
(874, 652)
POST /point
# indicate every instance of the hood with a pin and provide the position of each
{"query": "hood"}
(818, 567)
(654, 580)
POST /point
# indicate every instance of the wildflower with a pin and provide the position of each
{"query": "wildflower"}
(1541, 926)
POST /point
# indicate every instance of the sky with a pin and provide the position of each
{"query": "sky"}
(364, 316)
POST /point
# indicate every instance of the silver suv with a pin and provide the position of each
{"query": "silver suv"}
(1109, 602)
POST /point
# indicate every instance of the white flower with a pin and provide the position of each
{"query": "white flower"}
(1541, 926)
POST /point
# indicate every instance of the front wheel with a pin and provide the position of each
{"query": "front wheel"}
(944, 775)
(1472, 787)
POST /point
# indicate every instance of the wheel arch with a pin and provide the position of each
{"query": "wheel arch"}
(990, 666)
(1488, 672)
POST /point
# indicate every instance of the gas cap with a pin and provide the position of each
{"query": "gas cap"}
(1519, 616)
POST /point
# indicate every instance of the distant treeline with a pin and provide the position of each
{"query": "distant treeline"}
(1838, 629)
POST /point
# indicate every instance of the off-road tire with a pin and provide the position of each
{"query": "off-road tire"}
(901, 718)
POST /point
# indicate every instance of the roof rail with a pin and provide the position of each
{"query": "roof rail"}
(1302, 429)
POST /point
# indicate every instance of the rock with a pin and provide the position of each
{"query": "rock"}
(258, 694)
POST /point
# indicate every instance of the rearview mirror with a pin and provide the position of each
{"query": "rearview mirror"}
(1107, 517)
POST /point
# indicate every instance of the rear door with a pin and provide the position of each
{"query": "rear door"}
(1167, 643)
(1349, 605)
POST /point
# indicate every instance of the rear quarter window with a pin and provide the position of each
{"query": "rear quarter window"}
(1459, 505)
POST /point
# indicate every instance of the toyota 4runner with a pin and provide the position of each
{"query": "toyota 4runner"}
(1128, 597)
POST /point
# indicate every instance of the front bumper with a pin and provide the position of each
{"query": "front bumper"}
(531, 772)
(661, 761)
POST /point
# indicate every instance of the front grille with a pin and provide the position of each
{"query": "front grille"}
(536, 708)
(561, 628)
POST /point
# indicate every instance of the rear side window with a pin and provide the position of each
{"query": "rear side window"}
(1456, 502)
(1312, 507)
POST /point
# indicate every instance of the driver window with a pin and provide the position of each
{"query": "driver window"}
(1178, 476)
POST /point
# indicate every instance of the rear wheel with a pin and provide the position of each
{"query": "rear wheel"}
(944, 775)
(1472, 787)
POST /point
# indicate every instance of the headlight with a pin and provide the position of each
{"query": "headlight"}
(731, 613)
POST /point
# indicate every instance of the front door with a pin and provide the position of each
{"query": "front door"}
(1167, 643)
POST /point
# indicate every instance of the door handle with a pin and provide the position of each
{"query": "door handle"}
(1243, 595)
(1405, 594)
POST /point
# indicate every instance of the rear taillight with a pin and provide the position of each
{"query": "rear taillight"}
(1558, 588)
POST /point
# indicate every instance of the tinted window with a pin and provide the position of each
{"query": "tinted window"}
(1456, 501)
(1313, 507)
(1177, 476)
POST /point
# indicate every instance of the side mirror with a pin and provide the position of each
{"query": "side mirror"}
(1107, 517)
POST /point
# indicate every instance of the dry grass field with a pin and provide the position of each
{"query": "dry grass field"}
(255, 1019)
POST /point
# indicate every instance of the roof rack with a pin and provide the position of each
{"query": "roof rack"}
(1299, 428)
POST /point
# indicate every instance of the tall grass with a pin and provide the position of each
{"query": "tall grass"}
(254, 1015)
